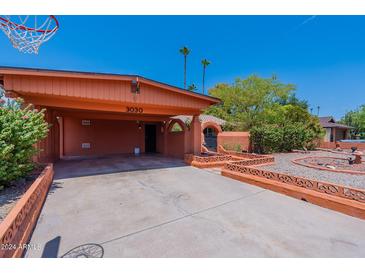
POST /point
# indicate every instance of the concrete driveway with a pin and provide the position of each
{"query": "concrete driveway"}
(167, 209)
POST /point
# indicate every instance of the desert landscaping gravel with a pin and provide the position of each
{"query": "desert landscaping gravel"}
(283, 164)
(10, 195)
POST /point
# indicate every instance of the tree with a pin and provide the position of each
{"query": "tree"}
(295, 101)
(20, 129)
(185, 51)
(244, 101)
(355, 119)
(205, 63)
(192, 87)
(276, 118)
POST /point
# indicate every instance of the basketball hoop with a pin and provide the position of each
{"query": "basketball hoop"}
(28, 33)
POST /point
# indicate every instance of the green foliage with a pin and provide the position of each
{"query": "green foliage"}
(233, 147)
(192, 87)
(244, 102)
(184, 51)
(286, 128)
(176, 128)
(356, 119)
(20, 129)
(276, 118)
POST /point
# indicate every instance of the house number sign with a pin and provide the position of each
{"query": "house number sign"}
(134, 110)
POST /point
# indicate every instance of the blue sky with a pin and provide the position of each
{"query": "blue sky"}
(323, 55)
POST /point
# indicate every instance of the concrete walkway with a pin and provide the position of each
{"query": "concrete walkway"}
(180, 211)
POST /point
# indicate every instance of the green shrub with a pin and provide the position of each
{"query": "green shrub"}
(284, 138)
(20, 129)
(233, 147)
(284, 128)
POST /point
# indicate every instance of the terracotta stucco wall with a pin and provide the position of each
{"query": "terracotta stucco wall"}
(233, 138)
(104, 136)
(343, 145)
(175, 144)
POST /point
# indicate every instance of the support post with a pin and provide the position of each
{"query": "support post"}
(196, 140)
(61, 149)
(165, 137)
(334, 135)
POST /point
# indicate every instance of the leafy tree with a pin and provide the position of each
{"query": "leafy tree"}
(355, 119)
(244, 101)
(20, 129)
(276, 118)
(295, 101)
(185, 51)
(205, 63)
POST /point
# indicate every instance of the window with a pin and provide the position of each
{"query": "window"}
(209, 132)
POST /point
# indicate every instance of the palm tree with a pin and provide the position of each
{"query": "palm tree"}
(185, 51)
(205, 63)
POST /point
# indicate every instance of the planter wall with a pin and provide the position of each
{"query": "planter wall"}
(18, 225)
(344, 199)
(343, 145)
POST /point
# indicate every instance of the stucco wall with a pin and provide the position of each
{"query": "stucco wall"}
(49, 147)
(343, 145)
(175, 144)
(233, 138)
(104, 136)
(327, 137)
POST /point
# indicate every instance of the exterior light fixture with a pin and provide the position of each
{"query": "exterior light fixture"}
(135, 87)
(139, 125)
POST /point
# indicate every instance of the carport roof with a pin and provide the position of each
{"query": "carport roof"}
(8, 70)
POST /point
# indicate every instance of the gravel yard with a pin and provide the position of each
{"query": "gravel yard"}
(12, 193)
(283, 164)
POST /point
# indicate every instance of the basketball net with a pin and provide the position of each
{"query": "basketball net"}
(28, 33)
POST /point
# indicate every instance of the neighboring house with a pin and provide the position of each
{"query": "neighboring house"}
(210, 124)
(334, 131)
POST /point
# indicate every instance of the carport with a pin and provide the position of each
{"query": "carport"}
(97, 114)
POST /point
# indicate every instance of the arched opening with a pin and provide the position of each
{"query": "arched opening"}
(210, 138)
(210, 132)
(176, 126)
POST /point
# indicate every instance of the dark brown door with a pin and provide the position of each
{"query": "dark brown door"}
(150, 138)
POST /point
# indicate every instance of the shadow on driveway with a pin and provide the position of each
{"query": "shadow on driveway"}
(113, 164)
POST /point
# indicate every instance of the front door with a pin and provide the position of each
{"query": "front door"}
(150, 138)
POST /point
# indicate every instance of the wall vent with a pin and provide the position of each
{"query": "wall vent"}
(85, 145)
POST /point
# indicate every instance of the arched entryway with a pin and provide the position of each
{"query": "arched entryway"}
(210, 131)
